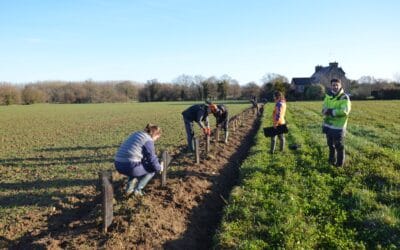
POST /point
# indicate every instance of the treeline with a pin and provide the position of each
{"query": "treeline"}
(68, 92)
(183, 88)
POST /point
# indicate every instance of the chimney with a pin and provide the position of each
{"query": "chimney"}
(333, 64)
(318, 68)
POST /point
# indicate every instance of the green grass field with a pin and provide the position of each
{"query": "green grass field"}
(50, 154)
(295, 200)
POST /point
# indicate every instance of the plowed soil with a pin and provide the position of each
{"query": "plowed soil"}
(182, 215)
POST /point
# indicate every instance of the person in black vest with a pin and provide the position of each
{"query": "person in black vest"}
(221, 115)
(197, 113)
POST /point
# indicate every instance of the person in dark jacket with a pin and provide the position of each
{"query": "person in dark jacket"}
(136, 158)
(254, 104)
(197, 113)
(222, 118)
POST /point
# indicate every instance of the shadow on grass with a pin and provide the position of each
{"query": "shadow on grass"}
(66, 149)
(54, 161)
(217, 102)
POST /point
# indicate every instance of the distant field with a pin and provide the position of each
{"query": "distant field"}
(295, 200)
(50, 154)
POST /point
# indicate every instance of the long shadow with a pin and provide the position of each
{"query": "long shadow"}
(218, 102)
(54, 161)
(45, 184)
(45, 198)
(58, 223)
(4, 242)
(43, 161)
(61, 149)
(205, 218)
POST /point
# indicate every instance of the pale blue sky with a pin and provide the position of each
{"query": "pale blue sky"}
(161, 39)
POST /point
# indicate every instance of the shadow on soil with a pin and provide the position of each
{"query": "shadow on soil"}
(67, 209)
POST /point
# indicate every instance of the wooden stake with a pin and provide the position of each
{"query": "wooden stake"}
(165, 157)
(108, 197)
(207, 144)
(197, 150)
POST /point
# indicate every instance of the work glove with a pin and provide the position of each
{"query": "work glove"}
(207, 131)
(162, 167)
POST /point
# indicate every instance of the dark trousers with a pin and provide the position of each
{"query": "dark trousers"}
(335, 141)
(189, 134)
(281, 141)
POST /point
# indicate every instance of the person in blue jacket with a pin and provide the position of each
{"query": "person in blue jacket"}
(222, 119)
(197, 113)
(136, 158)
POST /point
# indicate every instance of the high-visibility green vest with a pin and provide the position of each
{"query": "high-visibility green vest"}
(341, 106)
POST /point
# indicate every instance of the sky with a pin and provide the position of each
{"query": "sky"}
(140, 40)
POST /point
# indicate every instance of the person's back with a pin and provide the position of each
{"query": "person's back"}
(193, 112)
(131, 149)
(136, 158)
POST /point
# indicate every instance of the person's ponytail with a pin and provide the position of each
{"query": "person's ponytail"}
(152, 129)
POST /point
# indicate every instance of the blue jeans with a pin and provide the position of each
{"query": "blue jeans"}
(134, 170)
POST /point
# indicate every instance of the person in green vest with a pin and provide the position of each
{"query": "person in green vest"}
(336, 109)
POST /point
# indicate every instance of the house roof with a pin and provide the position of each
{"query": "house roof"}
(301, 80)
(327, 70)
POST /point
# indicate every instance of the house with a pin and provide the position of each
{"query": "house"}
(322, 75)
(300, 83)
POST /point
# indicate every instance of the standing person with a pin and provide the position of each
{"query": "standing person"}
(222, 117)
(136, 158)
(254, 103)
(278, 118)
(336, 109)
(197, 113)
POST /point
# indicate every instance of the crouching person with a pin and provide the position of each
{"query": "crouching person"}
(136, 158)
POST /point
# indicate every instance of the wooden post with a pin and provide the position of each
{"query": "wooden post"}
(107, 197)
(166, 159)
(207, 144)
(197, 150)
(164, 172)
